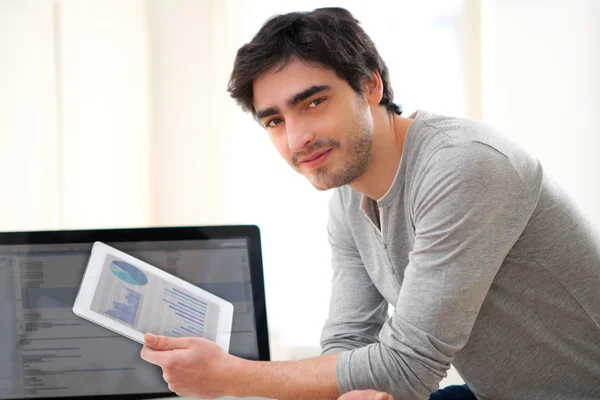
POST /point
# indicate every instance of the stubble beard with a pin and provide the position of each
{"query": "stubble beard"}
(357, 156)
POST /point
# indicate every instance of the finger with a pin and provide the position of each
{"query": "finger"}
(158, 342)
(164, 359)
(366, 395)
(149, 355)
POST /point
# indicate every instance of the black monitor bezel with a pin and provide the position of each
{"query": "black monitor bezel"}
(153, 234)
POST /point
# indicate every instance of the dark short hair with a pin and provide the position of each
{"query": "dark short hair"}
(329, 36)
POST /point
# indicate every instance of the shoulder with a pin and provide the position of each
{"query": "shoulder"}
(460, 148)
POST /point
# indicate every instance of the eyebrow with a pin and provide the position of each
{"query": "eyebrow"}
(294, 100)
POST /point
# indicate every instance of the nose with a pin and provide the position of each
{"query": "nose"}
(298, 134)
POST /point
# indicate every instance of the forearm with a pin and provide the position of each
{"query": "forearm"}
(314, 378)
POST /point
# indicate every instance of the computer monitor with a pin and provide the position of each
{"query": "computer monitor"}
(46, 351)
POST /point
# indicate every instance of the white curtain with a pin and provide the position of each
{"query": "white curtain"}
(28, 145)
(103, 109)
(74, 115)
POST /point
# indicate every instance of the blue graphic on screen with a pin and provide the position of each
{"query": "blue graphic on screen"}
(126, 310)
(191, 311)
(128, 273)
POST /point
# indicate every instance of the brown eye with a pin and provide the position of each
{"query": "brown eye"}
(273, 122)
(316, 102)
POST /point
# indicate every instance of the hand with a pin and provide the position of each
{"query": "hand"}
(192, 367)
(366, 395)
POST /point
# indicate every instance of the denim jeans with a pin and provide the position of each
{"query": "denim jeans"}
(454, 392)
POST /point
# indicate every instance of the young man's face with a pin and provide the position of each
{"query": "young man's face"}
(317, 122)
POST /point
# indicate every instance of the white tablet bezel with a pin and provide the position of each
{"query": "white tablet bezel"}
(89, 284)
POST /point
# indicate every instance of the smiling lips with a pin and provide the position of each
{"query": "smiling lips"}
(317, 159)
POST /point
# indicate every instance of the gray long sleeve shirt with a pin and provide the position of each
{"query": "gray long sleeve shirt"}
(489, 266)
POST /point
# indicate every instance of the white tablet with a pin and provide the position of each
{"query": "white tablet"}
(132, 297)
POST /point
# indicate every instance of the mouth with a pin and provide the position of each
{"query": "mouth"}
(316, 159)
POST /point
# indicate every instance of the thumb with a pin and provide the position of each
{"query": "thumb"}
(158, 342)
(383, 396)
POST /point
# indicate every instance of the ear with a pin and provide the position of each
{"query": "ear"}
(374, 89)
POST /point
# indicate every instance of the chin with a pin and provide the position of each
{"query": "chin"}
(320, 187)
(323, 183)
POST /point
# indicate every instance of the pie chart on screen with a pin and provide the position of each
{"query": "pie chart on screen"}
(128, 273)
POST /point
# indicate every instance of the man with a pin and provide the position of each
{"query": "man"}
(488, 263)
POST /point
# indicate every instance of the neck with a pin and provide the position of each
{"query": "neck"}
(389, 134)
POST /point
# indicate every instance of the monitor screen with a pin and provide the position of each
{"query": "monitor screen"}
(47, 351)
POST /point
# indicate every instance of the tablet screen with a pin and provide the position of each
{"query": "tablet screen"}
(145, 302)
(47, 351)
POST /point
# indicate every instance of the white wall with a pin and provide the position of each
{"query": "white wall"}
(541, 86)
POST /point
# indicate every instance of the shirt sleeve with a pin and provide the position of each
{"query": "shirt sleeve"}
(357, 310)
(469, 207)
